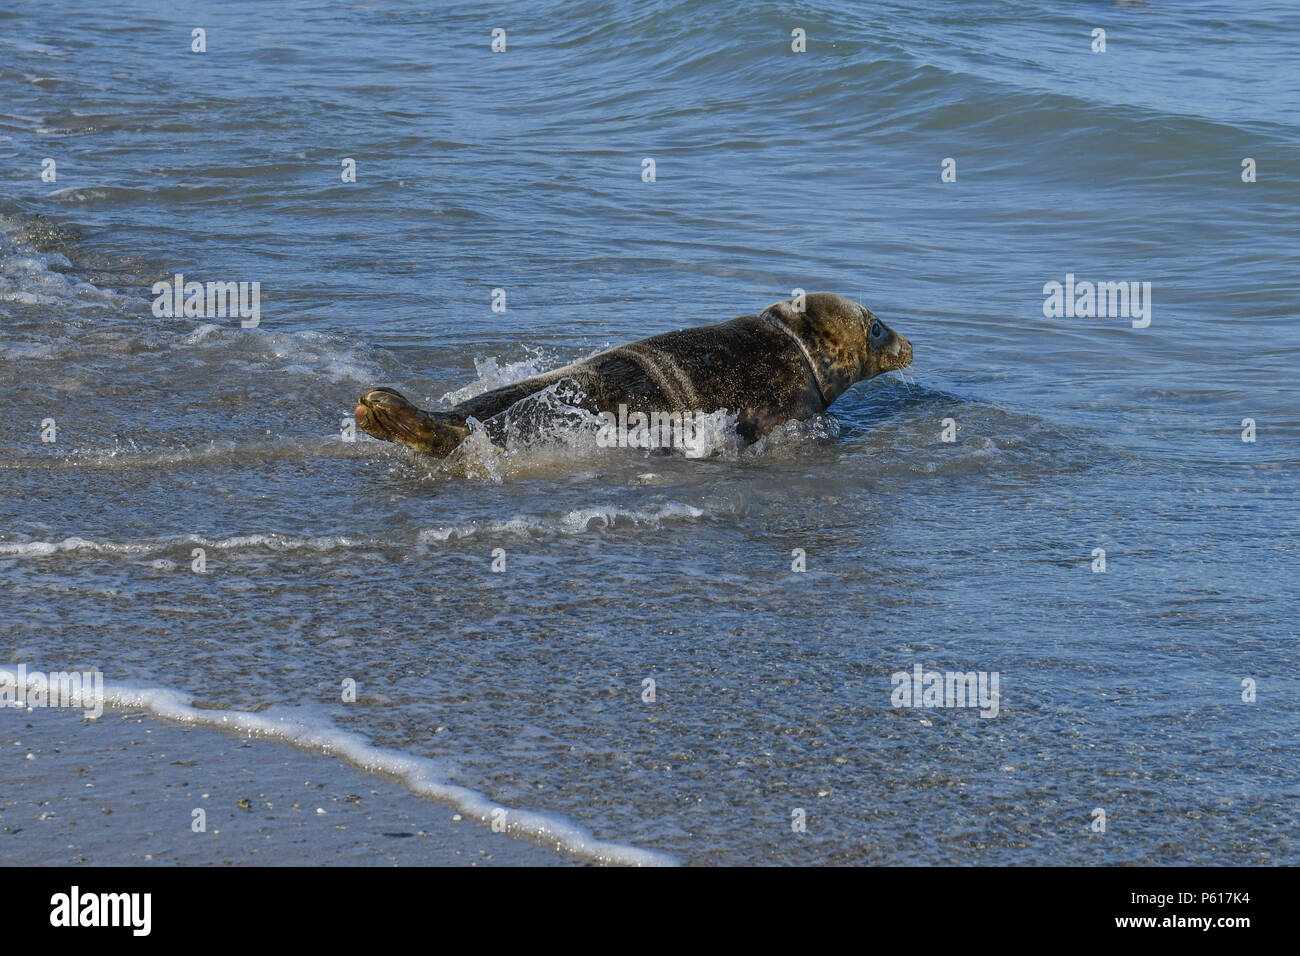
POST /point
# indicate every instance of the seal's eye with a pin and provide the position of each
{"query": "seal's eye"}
(877, 331)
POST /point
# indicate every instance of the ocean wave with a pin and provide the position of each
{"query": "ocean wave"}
(123, 324)
(576, 521)
(314, 355)
(124, 457)
(570, 522)
(87, 195)
(28, 277)
(269, 541)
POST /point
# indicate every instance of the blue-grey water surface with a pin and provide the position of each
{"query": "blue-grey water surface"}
(775, 170)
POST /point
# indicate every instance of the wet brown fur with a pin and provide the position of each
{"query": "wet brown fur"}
(751, 366)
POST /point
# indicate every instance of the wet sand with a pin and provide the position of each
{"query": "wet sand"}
(122, 790)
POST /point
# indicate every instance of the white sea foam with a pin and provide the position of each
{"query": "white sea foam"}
(25, 298)
(421, 775)
(127, 455)
(78, 194)
(40, 279)
(494, 374)
(311, 355)
(795, 434)
(575, 521)
(270, 542)
(32, 278)
(40, 549)
(551, 431)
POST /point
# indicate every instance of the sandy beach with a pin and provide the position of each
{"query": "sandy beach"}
(122, 790)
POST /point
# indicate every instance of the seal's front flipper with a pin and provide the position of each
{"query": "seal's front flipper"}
(387, 414)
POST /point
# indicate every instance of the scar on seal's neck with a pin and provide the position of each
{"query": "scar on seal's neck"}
(772, 320)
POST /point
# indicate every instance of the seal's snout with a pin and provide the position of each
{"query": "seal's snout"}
(902, 352)
(894, 353)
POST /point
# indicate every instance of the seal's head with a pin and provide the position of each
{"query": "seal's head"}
(386, 413)
(842, 340)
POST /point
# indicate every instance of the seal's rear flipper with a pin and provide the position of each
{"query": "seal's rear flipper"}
(385, 413)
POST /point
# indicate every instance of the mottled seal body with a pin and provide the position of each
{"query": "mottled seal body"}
(789, 362)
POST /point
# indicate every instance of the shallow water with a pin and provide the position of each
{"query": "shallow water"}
(329, 560)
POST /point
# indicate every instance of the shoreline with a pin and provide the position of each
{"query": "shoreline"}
(123, 790)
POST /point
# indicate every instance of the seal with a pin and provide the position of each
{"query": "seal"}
(791, 361)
